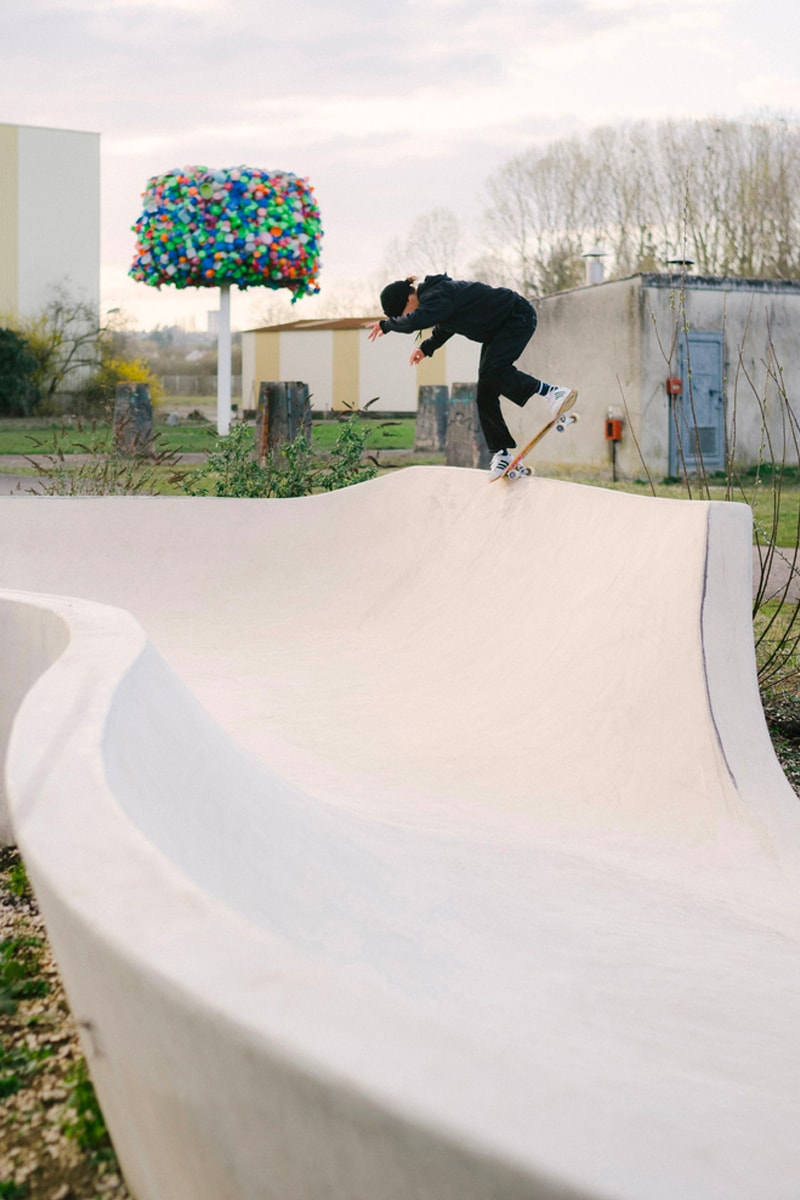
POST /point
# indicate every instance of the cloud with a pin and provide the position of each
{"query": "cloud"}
(135, 147)
(390, 109)
(772, 91)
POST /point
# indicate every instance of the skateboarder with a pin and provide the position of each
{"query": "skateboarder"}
(501, 320)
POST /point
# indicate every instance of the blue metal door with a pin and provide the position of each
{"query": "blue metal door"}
(697, 417)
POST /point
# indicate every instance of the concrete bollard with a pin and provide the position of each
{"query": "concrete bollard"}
(432, 411)
(465, 445)
(133, 419)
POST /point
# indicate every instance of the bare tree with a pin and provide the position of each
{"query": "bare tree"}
(510, 221)
(723, 194)
(66, 341)
(348, 298)
(537, 206)
(431, 246)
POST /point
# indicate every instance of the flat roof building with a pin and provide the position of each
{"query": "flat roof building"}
(343, 369)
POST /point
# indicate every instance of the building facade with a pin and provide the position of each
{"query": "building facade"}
(49, 218)
(689, 371)
(694, 368)
(343, 369)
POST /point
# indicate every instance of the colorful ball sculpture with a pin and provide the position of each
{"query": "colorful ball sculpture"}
(242, 226)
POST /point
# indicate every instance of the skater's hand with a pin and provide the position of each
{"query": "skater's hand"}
(416, 357)
(375, 330)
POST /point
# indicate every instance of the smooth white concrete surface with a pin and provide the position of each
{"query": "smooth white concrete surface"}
(371, 876)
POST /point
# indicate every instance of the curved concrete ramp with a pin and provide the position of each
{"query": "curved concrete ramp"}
(420, 840)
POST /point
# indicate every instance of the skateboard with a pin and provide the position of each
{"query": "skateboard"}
(561, 421)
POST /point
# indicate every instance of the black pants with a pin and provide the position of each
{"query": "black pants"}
(497, 375)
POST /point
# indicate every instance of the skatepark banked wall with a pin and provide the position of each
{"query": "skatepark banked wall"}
(424, 839)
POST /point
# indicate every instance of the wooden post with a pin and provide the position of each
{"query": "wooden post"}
(283, 412)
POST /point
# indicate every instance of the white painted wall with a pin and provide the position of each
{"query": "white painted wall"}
(308, 356)
(249, 397)
(384, 371)
(59, 216)
(461, 360)
(32, 636)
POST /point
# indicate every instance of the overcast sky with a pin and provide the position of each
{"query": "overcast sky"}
(389, 109)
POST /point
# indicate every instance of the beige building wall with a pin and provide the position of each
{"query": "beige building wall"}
(346, 349)
(432, 372)
(590, 339)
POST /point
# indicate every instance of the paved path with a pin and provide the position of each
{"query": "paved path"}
(784, 573)
(14, 484)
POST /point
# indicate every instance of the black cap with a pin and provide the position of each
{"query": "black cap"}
(394, 297)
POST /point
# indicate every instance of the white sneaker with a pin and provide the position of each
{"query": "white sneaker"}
(560, 399)
(500, 461)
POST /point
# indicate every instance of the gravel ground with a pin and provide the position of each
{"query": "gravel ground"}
(43, 1091)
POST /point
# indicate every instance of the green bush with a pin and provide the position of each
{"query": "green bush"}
(233, 469)
(20, 974)
(85, 1122)
(19, 393)
(95, 395)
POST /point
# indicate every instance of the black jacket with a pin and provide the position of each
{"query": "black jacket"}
(474, 310)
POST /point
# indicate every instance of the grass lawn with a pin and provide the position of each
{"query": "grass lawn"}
(760, 497)
(41, 437)
(777, 631)
(384, 434)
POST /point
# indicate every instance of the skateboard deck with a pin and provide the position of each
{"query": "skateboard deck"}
(561, 421)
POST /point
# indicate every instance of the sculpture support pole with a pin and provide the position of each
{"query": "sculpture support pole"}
(224, 361)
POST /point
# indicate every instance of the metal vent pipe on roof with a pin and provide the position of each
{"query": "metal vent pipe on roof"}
(594, 267)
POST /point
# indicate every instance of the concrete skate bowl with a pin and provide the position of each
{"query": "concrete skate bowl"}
(421, 840)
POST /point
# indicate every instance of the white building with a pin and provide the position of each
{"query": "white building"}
(343, 369)
(49, 217)
(683, 370)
